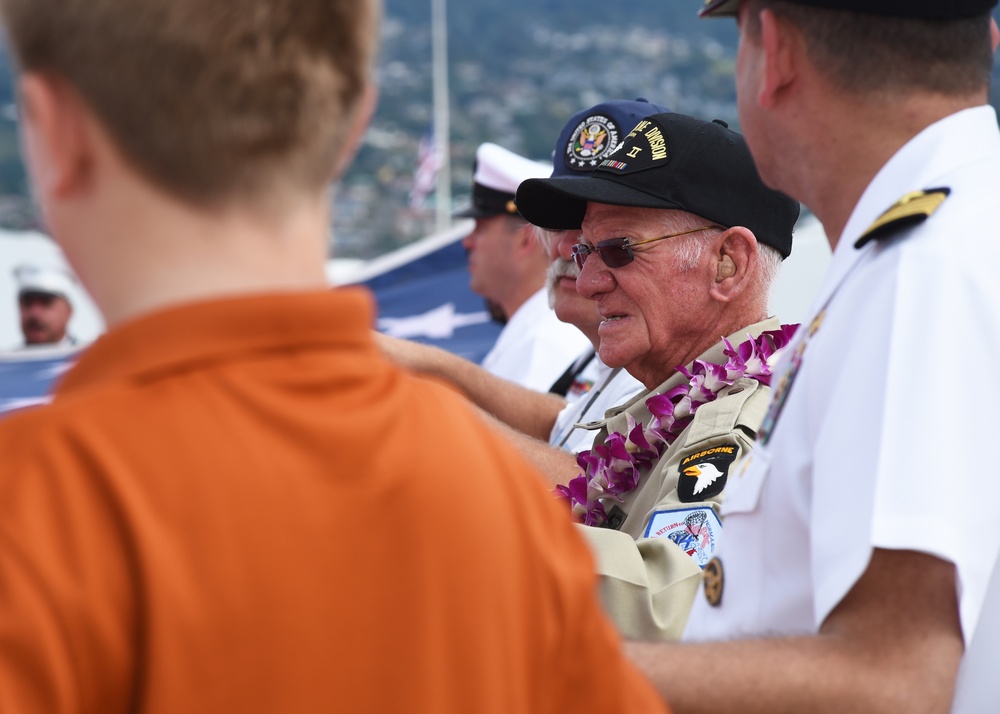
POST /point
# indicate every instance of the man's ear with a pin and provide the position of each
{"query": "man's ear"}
(359, 122)
(779, 43)
(55, 135)
(735, 254)
(526, 241)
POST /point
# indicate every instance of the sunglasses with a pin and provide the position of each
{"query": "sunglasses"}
(619, 252)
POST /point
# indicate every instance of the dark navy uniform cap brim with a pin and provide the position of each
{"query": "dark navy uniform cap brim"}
(927, 9)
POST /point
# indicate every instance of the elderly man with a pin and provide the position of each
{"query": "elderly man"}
(841, 572)
(43, 298)
(507, 267)
(681, 242)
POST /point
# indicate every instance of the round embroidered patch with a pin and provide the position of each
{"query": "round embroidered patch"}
(593, 139)
(713, 582)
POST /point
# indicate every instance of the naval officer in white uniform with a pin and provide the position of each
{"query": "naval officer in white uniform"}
(859, 543)
(507, 267)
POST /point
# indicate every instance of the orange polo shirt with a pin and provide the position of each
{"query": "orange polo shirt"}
(241, 506)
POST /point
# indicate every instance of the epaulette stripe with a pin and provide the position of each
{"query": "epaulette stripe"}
(911, 209)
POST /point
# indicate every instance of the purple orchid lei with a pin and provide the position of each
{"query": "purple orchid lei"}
(611, 469)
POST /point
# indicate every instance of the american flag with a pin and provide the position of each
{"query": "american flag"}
(428, 162)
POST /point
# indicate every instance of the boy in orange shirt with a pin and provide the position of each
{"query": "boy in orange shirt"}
(235, 503)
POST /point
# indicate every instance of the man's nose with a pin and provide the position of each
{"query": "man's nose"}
(595, 278)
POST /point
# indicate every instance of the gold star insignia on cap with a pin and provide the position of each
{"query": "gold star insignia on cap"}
(511, 207)
(911, 209)
(713, 582)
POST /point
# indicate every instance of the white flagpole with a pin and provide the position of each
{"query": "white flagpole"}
(442, 139)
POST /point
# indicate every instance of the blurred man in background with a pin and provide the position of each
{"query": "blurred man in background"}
(507, 267)
(44, 301)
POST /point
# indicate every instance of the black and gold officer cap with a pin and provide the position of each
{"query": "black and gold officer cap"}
(927, 9)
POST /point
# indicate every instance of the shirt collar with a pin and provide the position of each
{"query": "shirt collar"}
(179, 337)
(923, 162)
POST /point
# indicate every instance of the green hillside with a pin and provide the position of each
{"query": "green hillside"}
(517, 71)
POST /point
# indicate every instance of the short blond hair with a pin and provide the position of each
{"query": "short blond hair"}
(209, 99)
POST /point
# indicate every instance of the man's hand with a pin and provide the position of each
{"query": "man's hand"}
(893, 644)
(523, 410)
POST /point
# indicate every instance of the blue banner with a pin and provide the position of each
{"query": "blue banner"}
(27, 376)
(423, 295)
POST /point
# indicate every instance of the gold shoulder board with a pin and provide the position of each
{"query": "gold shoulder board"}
(911, 209)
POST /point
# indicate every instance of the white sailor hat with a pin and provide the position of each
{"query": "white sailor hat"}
(43, 280)
(497, 174)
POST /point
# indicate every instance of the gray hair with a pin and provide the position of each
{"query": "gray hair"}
(689, 250)
(544, 237)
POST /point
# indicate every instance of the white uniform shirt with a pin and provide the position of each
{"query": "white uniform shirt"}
(611, 388)
(535, 347)
(886, 437)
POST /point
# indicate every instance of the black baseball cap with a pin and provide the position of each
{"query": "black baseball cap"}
(926, 9)
(671, 161)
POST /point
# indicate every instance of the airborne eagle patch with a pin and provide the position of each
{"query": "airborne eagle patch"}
(703, 474)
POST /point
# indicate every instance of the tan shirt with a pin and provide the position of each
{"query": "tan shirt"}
(649, 567)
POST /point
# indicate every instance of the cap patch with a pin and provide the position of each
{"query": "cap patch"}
(594, 138)
(696, 531)
(644, 147)
(703, 474)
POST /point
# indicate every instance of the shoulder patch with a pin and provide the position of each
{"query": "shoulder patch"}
(911, 209)
(696, 531)
(703, 474)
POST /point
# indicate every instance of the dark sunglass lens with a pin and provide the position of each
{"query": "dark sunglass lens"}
(580, 253)
(615, 252)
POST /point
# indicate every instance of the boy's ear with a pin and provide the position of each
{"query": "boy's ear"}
(56, 139)
(359, 124)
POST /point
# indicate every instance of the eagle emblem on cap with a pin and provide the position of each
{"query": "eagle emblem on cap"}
(593, 139)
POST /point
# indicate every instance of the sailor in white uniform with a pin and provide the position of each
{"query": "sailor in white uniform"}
(507, 267)
(859, 545)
